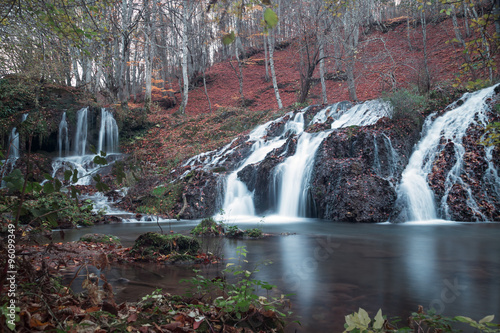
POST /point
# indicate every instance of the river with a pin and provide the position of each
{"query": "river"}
(332, 269)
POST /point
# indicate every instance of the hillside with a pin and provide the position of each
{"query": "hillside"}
(385, 63)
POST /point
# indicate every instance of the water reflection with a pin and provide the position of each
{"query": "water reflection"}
(333, 269)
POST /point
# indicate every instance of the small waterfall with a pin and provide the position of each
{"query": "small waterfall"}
(376, 158)
(108, 134)
(63, 137)
(334, 111)
(14, 148)
(80, 160)
(414, 191)
(238, 199)
(14, 144)
(292, 177)
(80, 142)
(364, 114)
(392, 158)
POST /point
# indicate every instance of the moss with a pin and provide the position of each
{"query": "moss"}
(207, 227)
(151, 244)
(253, 233)
(100, 238)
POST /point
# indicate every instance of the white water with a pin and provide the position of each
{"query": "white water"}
(108, 134)
(294, 176)
(289, 188)
(80, 160)
(452, 126)
(14, 148)
(63, 137)
(14, 145)
(364, 114)
(238, 200)
(334, 111)
(80, 142)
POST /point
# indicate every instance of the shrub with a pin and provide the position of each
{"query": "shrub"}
(234, 231)
(407, 104)
(207, 227)
(254, 233)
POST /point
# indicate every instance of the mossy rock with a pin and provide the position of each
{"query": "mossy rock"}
(153, 244)
(208, 227)
(100, 238)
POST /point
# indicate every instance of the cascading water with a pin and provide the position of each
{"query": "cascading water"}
(108, 134)
(63, 137)
(293, 177)
(364, 114)
(13, 144)
(414, 191)
(80, 160)
(289, 188)
(14, 149)
(80, 141)
(238, 200)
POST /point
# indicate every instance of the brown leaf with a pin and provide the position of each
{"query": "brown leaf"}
(132, 317)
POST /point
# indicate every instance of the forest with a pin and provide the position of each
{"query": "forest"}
(249, 165)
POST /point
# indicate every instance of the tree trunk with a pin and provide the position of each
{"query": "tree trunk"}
(266, 75)
(273, 73)
(184, 61)
(427, 77)
(322, 63)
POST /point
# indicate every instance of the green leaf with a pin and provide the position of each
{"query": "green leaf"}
(74, 192)
(364, 318)
(67, 175)
(464, 319)
(271, 18)
(228, 38)
(15, 180)
(47, 176)
(48, 188)
(58, 185)
(487, 319)
(75, 176)
(379, 320)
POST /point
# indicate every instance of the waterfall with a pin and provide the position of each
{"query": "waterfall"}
(414, 192)
(364, 114)
(289, 187)
(392, 158)
(334, 111)
(108, 134)
(80, 160)
(80, 142)
(13, 144)
(14, 148)
(293, 176)
(376, 158)
(238, 200)
(63, 137)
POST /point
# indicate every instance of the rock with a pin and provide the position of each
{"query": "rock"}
(152, 244)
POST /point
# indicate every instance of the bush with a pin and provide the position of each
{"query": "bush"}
(254, 233)
(207, 227)
(234, 231)
(407, 104)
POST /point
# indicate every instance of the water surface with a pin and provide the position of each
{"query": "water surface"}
(334, 268)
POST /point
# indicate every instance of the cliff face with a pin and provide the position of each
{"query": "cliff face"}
(357, 171)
